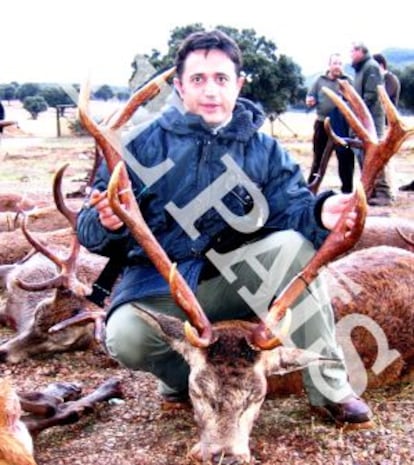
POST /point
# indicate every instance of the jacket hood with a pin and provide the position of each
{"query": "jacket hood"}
(247, 119)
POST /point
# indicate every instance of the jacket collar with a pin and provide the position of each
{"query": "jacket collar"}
(247, 119)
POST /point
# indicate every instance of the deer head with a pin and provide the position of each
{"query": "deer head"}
(230, 361)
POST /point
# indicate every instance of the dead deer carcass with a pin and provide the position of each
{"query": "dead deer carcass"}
(230, 361)
(44, 290)
(372, 294)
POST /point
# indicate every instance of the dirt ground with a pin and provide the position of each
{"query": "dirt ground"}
(135, 430)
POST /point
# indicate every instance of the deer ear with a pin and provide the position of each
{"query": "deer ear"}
(284, 360)
(171, 329)
(168, 327)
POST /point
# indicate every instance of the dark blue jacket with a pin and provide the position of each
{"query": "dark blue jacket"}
(196, 153)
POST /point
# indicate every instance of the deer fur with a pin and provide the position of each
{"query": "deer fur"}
(32, 314)
(392, 231)
(14, 246)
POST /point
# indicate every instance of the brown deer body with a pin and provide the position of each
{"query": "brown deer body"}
(32, 314)
(43, 290)
(378, 301)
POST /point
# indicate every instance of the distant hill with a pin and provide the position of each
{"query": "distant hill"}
(399, 57)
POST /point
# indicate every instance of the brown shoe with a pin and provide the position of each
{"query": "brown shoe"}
(354, 410)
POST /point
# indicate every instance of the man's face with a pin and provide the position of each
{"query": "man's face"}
(356, 55)
(335, 66)
(209, 86)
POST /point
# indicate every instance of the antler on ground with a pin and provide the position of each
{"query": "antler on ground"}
(70, 412)
(46, 401)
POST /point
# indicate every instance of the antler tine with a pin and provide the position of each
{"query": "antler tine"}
(66, 277)
(338, 242)
(180, 290)
(376, 156)
(397, 130)
(142, 95)
(364, 128)
(97, 317)
(358, 106)
(106, 139)
(69, 214)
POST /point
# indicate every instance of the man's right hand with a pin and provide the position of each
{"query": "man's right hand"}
(107, 216)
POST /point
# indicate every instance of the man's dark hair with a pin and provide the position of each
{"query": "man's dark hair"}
(210, 40)
(380, 59)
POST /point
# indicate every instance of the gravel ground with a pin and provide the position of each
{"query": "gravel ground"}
(136, 430)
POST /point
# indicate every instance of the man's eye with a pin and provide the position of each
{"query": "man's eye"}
(197, 79)
(222, 79)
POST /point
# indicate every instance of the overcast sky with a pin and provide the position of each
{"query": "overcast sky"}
(65, 41)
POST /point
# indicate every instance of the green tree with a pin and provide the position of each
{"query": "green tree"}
(7, 92)
(274, 81)
(122, 95)
(34, 105)
(104, 92)
(29, 89)
(55, 95)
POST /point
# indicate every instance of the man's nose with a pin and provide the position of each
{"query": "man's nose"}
(210, 87)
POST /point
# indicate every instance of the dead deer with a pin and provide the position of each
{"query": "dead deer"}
(230, 361)
(44, 290)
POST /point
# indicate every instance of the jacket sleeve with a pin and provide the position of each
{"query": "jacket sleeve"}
(291, 204)
(91, 233)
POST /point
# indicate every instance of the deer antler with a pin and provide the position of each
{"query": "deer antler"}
(106, 138)
(377, 154)
(67, 277)
(180, 290)
(338, 242)
(119, 192)
(69, 214)
(107, 141)
(144, 94)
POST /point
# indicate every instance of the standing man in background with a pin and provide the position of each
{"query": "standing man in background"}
(391, 81)
(368, 77)
(316, 98)
(393, 88)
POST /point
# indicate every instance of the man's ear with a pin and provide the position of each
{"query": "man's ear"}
(240, 82)
(178, 86)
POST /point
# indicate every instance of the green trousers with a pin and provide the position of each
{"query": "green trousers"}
(259, 270)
